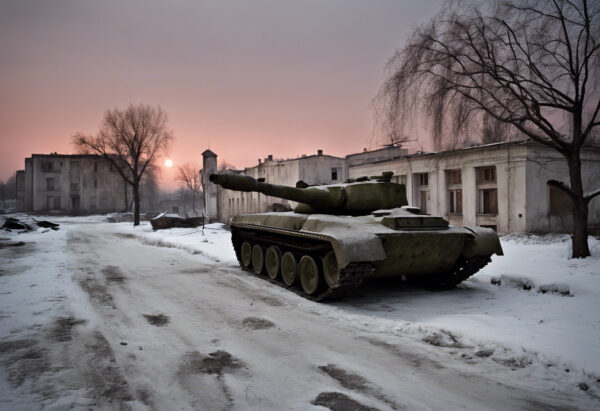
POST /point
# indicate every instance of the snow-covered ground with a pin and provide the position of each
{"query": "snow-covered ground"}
(522, 333)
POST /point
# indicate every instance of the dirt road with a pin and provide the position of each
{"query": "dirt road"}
(129, 325)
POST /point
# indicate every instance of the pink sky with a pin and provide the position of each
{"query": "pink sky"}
(245, 78)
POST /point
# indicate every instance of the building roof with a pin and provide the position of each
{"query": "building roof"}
(208, 153)
(56, 155)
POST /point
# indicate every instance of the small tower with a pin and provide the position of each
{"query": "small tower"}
(209, 166)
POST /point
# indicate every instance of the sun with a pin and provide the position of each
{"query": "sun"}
(168, 162)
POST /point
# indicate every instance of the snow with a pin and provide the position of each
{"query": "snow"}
(529, 320)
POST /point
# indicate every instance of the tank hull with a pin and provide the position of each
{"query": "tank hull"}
(367, 246)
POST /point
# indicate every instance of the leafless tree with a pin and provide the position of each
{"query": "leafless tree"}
(131, 140)
(189, 176)
(524, 63)
(224, 166)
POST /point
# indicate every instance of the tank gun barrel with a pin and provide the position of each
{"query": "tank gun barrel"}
(319, 199)
(355, 199)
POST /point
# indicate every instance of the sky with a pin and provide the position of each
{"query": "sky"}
(243, 78)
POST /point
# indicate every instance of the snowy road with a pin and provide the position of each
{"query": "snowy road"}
(94, 317)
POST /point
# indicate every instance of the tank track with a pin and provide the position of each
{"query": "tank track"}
(354, 274)
(465, 267)
(351, 276)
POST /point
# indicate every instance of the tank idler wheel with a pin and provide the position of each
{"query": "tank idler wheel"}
(289, 269)
(273, 262)
(309, 274)
(257, 259)
(330, 269)
(246, 254)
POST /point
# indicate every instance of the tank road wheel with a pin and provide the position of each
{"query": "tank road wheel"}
(257, 259)
(246, 254)
(273, 262)
(289, 268)
(309, 274)
(330, 269)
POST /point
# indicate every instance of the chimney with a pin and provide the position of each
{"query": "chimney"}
(319, 152)
(259, 161)
(270, 157)
(364, 150)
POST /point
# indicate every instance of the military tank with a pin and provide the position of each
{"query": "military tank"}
(340, 235)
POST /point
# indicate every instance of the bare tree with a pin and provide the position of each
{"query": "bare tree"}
(131, 140)
(189, 176)
(224, 166)
(524, 63)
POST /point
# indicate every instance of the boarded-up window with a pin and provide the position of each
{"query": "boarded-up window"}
(453, 177)
(487, 201)
(334, 174)
(423, 179)
(486, 174)
(559, 202)
(50, 184)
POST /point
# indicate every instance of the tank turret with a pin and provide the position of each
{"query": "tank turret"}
(358, 198)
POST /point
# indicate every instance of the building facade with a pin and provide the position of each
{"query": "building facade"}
(502, 186)
(70, 184)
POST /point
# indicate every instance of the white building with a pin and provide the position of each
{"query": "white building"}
(502, 185)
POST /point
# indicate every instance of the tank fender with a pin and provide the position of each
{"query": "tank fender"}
(485, 242)
(350, 245)
(366, 247)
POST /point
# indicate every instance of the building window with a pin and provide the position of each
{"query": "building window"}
(93, 203)
(334, 174)
(50, 184)
(74, 187)
(95, 183)
(455, 206)
(487, 201)
(95, 167)
(453, 177)
(422, 185)
(47, 166)
(487, 193)
(454, 186)
(486, 175)
(559, 202)
(53, 203)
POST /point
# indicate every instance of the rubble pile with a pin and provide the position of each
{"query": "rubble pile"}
(27, 224)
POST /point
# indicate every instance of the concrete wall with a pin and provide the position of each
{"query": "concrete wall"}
(545, 164)
(20, 177)
(82, 184)
(210, 190)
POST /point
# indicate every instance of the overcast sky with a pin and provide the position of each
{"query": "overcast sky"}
(245, 78)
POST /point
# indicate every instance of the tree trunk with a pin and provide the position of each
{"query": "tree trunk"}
(193, 203)
(579, 237)
(136, 203)
(126, 200)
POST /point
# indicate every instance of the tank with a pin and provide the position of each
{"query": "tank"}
(340, 235)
